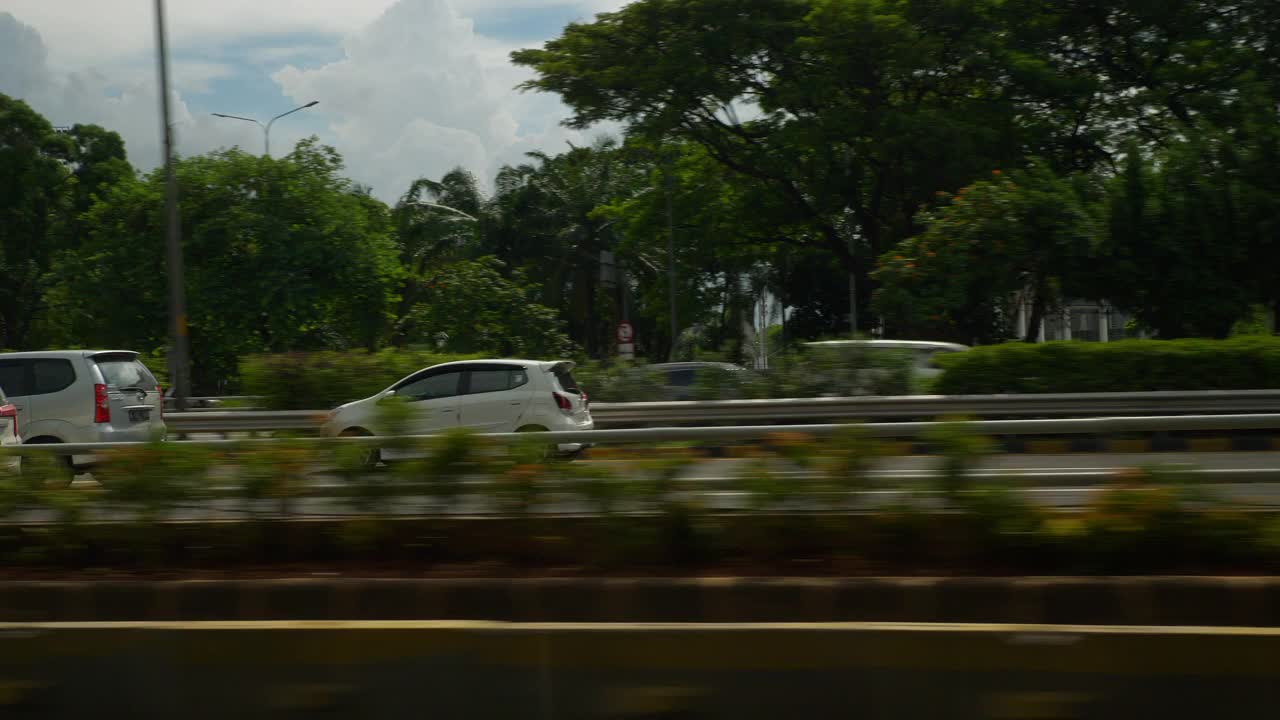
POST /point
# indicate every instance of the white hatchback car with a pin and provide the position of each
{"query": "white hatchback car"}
(489, 396)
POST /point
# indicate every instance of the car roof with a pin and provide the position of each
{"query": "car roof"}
(694, 365)
(66, 353)
(544, 364)
(896, 344)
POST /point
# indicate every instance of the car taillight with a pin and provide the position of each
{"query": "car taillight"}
(562, 402)
(10, 411)
(586, 402)
(101, 404)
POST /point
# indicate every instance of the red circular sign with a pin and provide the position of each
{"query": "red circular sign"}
(626, 333)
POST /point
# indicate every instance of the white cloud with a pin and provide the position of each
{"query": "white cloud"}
(419, 92)
(128, 106)
(416, 90)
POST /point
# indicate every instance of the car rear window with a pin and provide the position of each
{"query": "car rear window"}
(126, 373)
(565, 378)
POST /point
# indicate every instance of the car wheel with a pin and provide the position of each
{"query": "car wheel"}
(372, 455)
(549, 451)
(60, 469)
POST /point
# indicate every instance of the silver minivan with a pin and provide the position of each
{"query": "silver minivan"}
(82, 396)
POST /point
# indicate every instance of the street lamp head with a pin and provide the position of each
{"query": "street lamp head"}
(313, 103)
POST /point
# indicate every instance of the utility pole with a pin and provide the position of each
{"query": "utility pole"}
(671, 260)
(178, 375)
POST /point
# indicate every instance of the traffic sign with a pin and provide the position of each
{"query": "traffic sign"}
(626, 333)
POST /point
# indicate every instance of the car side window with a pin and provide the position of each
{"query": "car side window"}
(431, 387)
(50, 376)
(13, 378)
(489, 380)
(680, 378)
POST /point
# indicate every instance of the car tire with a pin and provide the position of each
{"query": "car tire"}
(372, 456)
(64, 472)
(548, 453)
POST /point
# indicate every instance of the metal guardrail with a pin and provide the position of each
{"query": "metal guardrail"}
(745, 412)
(929, 406)
(1060, 426)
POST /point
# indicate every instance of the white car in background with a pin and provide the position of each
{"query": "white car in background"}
(921, 352)
(488, 396)
(82, 396)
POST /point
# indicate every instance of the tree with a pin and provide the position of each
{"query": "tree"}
(469, 306)
(1185, 251)
(33, 193)
(1028, 233)
(865, 107)
(281, 255)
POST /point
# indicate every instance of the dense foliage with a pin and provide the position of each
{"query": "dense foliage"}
(919, 165)
(1126, 366)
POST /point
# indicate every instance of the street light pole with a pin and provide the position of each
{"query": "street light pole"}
(178, 366)
(266, 129)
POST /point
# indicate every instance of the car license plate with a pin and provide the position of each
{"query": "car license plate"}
(139, 415)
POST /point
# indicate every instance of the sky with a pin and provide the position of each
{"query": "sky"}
(405, 88)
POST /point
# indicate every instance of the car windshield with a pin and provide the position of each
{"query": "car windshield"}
(126, 373)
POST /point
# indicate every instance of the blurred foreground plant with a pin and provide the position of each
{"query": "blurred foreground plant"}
(274, 472)
(961, 449)
(155, 477)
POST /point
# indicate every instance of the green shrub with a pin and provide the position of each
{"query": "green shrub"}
(1127, 366)
(322, 380)
(960, 450)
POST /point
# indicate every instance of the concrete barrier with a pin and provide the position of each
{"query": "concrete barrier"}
(548, 671)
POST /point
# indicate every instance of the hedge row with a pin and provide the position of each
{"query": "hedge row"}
(323, 380)
(1244, 363)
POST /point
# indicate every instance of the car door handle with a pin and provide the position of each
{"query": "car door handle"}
(517, 402)
(445, 410)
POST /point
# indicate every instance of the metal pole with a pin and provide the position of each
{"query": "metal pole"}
(671, 261)
(853, 293)
(173, 248)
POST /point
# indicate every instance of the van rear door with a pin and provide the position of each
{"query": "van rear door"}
(133, 393)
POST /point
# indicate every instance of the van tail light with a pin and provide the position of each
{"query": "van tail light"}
(562, 402)
(101, 404)
(11, 412)
(586, 401)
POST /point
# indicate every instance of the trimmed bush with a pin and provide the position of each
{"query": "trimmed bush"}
(1244, 363)
(323, 380)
